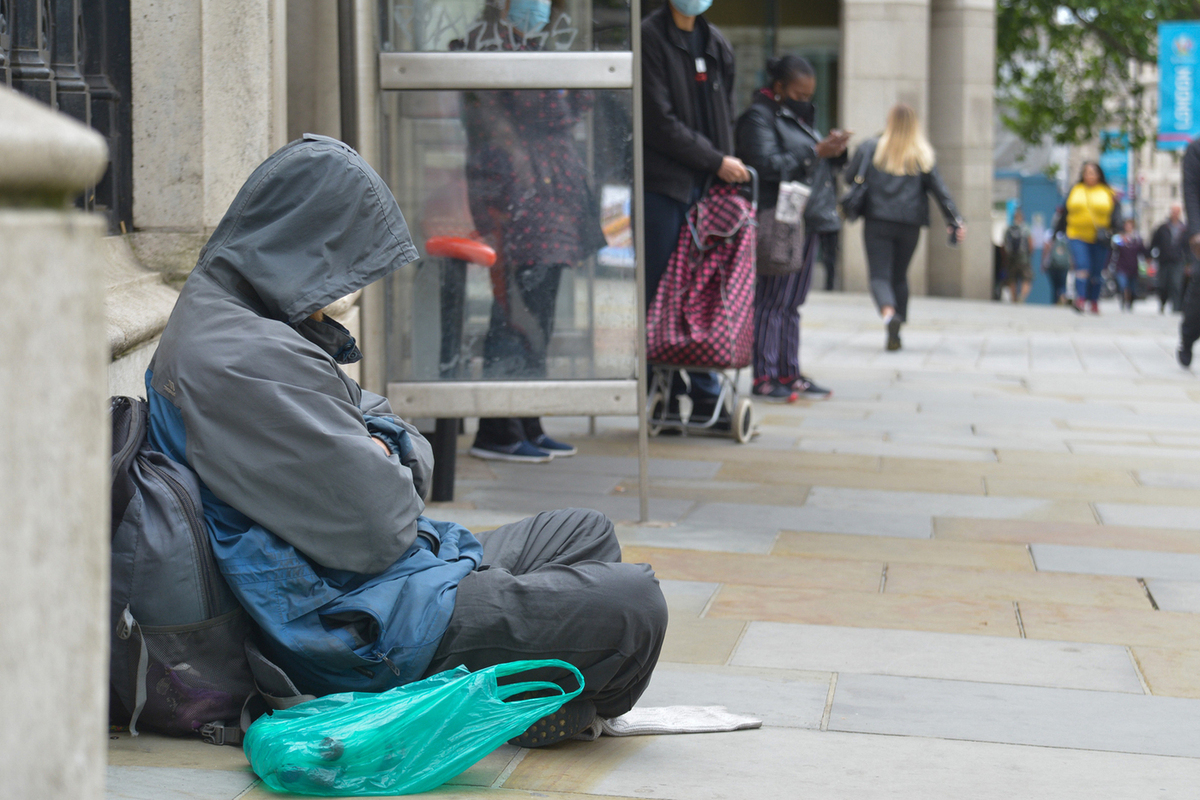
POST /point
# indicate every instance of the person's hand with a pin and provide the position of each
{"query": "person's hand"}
(960, 232)
(832, 145)
(1195, 244)
(382, 444)
(733, 170)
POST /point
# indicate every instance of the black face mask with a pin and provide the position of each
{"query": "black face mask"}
(804, 110)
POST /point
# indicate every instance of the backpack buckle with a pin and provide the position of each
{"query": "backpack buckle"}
(213, 732)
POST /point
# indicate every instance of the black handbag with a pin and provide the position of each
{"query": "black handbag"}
(821, 212)
(854, 201)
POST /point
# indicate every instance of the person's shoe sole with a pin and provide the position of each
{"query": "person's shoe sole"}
(1184, 356)
(766, 398)
(568, 721)
(893, 333)
(493, 455)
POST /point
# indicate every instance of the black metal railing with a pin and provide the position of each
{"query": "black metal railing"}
(73, 55)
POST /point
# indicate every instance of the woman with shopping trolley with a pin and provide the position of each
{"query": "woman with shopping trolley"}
(797, 202)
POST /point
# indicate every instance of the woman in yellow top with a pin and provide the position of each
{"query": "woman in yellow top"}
(1089, 217)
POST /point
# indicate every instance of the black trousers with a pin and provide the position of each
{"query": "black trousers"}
(1189, 328)
(554, 587)
(890, 247)
(515, 346)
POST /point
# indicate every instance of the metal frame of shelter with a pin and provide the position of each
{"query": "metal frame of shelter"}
(365, 74)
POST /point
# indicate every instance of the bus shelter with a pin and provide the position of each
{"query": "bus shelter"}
(512, 142)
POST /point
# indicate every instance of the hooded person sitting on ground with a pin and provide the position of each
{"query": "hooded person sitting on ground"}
(313, 490)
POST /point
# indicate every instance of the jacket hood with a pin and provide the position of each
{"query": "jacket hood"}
(313, 223)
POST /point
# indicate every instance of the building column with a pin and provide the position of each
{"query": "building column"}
(884, 61)
(962, 69)
(210, 82)
(55, 476)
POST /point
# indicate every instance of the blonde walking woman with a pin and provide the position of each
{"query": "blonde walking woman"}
(899, 172)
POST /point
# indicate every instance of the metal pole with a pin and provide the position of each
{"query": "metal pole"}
(360, 108)
(639, 271)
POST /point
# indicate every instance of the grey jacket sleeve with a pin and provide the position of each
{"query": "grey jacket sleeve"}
(276, 435)
(420, 460)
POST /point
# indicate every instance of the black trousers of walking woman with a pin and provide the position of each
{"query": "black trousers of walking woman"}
(890, 247)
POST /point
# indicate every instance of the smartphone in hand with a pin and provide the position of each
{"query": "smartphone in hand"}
(953, 236)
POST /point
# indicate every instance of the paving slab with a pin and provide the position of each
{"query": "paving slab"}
(175, 783)
(938, 505)
(916, 551)
(779, 698)
(813, 518)
(973, 583)
(686, 598)
(989, 712)
(625, 467)
(1125, 626)
(1120, 537)
(156, 750)
(789, 762)
(1170, 671)
(1171, 480)
(1105, 561)
(923, 654)
(707, 640)
(688, 536)
(615, 507)
(1179, 517)
(756, 570)
(1172, 595)
(854, 609)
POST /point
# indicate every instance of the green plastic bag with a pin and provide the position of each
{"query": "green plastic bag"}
(406, 740)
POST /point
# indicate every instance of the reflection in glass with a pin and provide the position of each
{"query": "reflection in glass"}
(415, 26)
(520, 202)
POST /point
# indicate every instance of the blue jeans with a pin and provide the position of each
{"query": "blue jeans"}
(1090, 259)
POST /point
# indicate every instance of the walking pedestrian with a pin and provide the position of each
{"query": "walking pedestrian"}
(687, 105)
(1089, 217)
(1168, 247)
(1057, 264)
(775, 137)
(1189, 328)
(899, 172)
(1018, 257)
(1128, 250)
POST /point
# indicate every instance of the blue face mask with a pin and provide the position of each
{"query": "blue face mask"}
(692, 8)
(528, 15)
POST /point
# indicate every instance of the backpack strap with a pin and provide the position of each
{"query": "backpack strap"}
(273, 691)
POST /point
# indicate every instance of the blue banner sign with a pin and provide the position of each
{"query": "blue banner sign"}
(1114, 160)
(1178, 67)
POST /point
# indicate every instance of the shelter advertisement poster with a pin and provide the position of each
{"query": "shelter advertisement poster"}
(1178, 64)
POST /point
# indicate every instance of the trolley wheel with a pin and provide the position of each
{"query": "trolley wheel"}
(743, 421)
(657, 410)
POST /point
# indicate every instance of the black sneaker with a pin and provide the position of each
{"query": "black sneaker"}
(554, 447)
(1184, 354)
(811, 390)
(893, 332)
(521, 451)
(773, 392)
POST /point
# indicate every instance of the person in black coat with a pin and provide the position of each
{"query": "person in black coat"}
(900, 175)
(775, 136)
(1189, 328)
(1168, 245)
(687, 108)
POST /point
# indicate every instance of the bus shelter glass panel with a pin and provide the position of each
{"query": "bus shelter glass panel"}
(519, 201)
(431, 26)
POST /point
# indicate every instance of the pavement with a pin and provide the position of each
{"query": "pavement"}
(974, 572)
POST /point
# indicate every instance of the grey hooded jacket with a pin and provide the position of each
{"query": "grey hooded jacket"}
(318, 531)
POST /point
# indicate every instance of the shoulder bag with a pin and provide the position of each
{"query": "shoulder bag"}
(854, 201)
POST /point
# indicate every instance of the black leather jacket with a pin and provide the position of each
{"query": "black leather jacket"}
(901, 198)
(770, 138)
(1191, 187)
(677, 157)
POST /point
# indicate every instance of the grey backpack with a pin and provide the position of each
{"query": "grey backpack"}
(178, 662)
